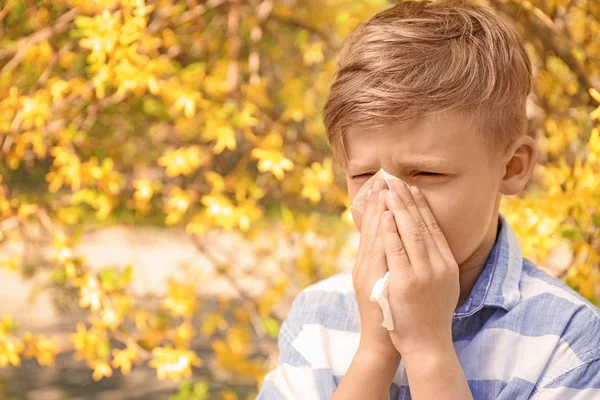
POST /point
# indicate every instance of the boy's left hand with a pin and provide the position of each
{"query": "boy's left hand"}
(424, 285)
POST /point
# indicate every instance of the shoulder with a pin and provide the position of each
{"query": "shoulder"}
(323, 324)
(559, 319)
(330, 302)
(538, 286)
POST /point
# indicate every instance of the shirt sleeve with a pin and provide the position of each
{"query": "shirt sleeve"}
(580, 383)
(293, 378)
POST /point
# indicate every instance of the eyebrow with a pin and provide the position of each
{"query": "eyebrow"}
(416, 163)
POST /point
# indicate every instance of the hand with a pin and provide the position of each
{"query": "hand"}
(371, 265)
(424, 285)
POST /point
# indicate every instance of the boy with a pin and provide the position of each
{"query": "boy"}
(434, 93)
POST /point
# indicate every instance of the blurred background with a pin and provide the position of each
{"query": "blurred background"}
(166, 188)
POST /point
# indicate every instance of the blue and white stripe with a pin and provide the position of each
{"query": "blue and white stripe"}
(521, 334)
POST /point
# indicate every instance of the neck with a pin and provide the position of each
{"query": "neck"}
(471, 268)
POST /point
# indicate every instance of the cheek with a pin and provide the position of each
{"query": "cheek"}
(462, 216)
(452, 212)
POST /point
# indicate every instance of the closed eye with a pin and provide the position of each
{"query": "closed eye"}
(430, 174)
(422, 173)
(361, 175)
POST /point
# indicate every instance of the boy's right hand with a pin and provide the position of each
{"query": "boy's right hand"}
(371, 265)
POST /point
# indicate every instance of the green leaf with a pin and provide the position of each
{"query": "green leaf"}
(201, 390)
(272, 326)
(58, 275)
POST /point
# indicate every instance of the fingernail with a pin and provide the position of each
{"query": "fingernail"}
(392, 194)
(414, 190)
(369, 192)
(381, 194)
(388, 215)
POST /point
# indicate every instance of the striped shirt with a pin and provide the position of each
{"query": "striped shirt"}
(521, 334)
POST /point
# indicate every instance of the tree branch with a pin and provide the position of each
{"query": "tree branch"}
(22, 45)
(6, 9)
(551, 37)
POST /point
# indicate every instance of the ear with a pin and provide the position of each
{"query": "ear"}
(519, 164)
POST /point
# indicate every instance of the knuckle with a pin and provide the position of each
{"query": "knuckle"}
(376, 254)
(410, 285)
(428, 277)
(434, 228)
(422, 226)
(398, 251)
(415, 235)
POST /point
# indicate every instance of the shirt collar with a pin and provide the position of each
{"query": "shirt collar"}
(498, 283)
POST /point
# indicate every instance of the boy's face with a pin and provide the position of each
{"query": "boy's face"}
(442, 156)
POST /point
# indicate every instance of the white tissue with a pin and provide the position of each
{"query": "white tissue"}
(380, 289)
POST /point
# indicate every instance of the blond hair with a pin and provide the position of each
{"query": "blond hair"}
(424, 57)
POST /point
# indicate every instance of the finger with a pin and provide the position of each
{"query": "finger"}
(378, 265)
(407, 196)
(363, 229)
(395, 253)
(434, 229)
(435, 257)
(367, 235)
(410, 234)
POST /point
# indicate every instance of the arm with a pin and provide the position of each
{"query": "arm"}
(369, 376)
(376, 360)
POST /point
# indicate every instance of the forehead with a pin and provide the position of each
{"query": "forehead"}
(442, 136)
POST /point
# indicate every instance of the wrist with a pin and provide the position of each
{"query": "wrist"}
(370, 374)
(376, 351)
(429, 355)
(383, 359)
(423, 344)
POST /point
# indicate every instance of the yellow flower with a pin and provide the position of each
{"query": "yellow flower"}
(173, 363)
(315, 179)
(273, 161)
(183, 335)
(90, 293)
(40, 347)
(123, 359)
(144, 189)
(10, 351)
(181, 299)
(183, 161)
(101, 370)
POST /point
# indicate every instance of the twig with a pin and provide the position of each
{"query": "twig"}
(6, 9)
(549, 39)
(226, 274)
(46, 74)
(298, 23)
(19, 52)
(233, 32)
